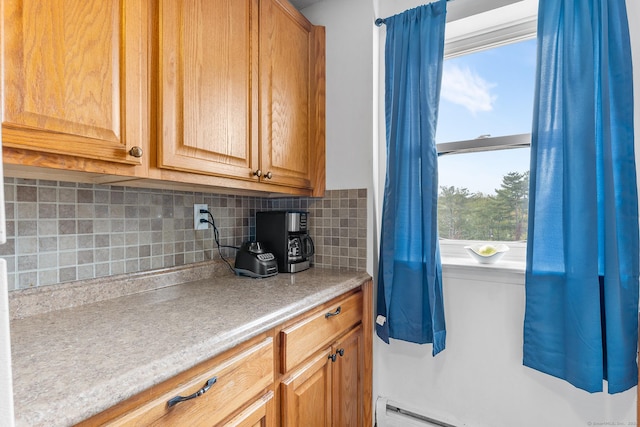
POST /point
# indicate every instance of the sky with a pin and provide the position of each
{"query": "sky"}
(486, 93)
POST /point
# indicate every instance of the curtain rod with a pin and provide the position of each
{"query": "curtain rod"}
(381, 21)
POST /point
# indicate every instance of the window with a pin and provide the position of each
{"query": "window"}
(483, 139)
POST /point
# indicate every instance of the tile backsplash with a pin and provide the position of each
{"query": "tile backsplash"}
(62, 231)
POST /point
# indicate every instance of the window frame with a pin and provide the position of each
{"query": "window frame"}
(492, 143)
(452, 251)
(477, 145)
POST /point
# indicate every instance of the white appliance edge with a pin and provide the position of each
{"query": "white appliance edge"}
(6, 388)
(7, 417)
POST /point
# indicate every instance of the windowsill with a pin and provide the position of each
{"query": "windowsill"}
(515, 266)
(508, 272)
(456, 263)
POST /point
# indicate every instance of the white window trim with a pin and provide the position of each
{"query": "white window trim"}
(495, 37)
(508, 24)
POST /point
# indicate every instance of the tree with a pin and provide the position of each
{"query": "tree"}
(484, 219)
(452, 203)
(468, 216)
(512, 199)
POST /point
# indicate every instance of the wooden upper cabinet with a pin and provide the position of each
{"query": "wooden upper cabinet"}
(74, 78)
(241, 92)
(288, 94)
(217, 93)
(208, 73)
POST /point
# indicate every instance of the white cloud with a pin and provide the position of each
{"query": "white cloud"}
(465, 87)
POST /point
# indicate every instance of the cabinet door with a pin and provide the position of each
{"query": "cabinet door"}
(286, 64)
(208, 77)
(258, 414)
(74, 77)
(306, 394)
(347, 372)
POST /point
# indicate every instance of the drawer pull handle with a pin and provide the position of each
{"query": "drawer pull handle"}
(203, 390)
(333, 313)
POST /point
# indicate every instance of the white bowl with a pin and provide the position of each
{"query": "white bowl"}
(474, 252)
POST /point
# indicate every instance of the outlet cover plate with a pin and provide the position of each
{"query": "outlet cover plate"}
(197, 225)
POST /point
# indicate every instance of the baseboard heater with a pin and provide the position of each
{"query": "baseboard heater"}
(391, 414)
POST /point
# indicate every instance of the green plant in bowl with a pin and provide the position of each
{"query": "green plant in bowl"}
(487, 250)
(486, 253)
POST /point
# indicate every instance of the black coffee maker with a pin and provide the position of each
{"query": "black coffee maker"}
(285, 234)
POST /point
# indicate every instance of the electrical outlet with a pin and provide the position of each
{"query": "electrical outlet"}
(197, 216)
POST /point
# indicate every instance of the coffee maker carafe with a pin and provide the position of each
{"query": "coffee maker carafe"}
(285, 234)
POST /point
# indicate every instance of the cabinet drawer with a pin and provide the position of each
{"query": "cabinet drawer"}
(238, 380)
(317, 330)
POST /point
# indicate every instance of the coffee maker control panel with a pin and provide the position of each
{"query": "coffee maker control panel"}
(296, 222)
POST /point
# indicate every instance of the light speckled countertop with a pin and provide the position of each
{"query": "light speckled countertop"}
(71, 363)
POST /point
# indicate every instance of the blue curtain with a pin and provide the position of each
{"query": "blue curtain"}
(582, 253)
(409, 304)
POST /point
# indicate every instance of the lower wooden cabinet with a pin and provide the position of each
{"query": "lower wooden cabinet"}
(326, 362)
(238, 382)
(259, 414)
(306, 394)
(347, 405)
(318, 373)
(328, 389)
(319, 328)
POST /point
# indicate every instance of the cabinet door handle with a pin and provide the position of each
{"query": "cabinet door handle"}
(334, 356)
(258, 173)
(203, 390)
(136, 152)
(268, 175)
(333, 313)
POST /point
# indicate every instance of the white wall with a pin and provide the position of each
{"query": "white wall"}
(350, 98)
(479, 379)
(349, 90)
